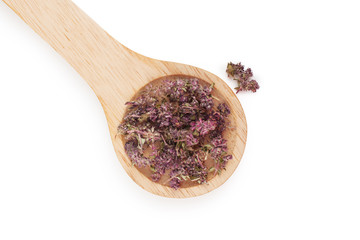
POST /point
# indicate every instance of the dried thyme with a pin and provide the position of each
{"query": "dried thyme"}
(243, 77)
(174, 128)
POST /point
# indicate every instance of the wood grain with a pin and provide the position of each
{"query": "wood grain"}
(116, 73)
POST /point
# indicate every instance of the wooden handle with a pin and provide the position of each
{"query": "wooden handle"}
(73, 34)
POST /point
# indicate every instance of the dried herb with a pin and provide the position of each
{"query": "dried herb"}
(174, 128)
(243, 77)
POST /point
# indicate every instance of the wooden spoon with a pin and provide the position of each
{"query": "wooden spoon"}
(116, 73)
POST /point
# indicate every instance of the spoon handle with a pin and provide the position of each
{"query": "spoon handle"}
(74, 35)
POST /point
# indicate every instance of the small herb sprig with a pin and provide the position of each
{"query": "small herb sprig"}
(243, 77)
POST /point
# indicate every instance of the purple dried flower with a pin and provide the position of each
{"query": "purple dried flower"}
(243, 77)
(156, 176)
(221, 163)
(193, 84)
(175, 183)
(153, 113)
(183, 98)
(207, 103)
(220, 122)
(194, 169)
(186, 119)
(218, 142)
(188, 108)
(191, 140)
(234, 69)
(134, 153)
(164, 160)
(227, 158)
(176, 89)
(252, 86)
(219, 151)
(224, 109)
(216, 152)
(168, 86)
(173, 128)
(176, 122)
(182, 154)
(132, 104)
(203, 127)
(164, 119)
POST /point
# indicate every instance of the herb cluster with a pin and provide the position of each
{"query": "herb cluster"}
(243, 77)
(176, 130)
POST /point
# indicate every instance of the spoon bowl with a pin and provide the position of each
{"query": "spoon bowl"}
(116, 74)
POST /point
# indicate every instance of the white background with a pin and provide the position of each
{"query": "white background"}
(298, 179)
